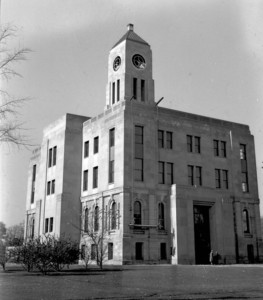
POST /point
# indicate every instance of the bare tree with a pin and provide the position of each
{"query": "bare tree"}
(95, 234)
(11, 130)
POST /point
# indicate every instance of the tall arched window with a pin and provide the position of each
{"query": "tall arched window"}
(86, 220)
(161, 216)
(96, 219)
(246, 221)
(113, 215)
(137, 213)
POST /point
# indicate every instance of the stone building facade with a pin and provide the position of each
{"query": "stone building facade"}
(157, 185)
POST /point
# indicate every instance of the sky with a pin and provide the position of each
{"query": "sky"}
(207, 59)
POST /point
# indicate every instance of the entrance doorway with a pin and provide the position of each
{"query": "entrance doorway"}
(250, 254)
(202, 234)
(139, 251)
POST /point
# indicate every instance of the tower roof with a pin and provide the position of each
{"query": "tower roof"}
(131, 36)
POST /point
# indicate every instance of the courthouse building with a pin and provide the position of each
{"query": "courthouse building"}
(163, 186)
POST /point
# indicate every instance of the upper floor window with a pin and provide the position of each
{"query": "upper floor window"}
(137, 213)
(243, 152)
(193, 144)
(219, 148)
(160, 216)
(138, 155)
(95, 177)
(169, 173)
(112, 137)
(169, 140)
(161, 138)
(33, 183)
(142, 90)
(96, 144)
(161, 172)
(51, 187)
(52, 156)
(85, 180)
(245, 221)
(194, 175)
(86, 149)
(135, 88)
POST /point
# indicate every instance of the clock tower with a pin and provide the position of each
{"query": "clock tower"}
(130, 70)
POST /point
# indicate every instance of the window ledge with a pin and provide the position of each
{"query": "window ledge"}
(248, 235)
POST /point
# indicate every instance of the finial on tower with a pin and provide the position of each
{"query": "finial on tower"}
(130, 27)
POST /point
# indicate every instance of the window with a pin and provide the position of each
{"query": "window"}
(111, 171)
(96, 144)
(48, 188)
(86, 220)
(135, 88)
(169, 173)
(33, 183)
(161, 172)
(111, 154)
(46, 225)
(198, 176)
(216, 147)
(113, 216)
(244, 170)
(83, 251)
(160, 216)
(112, 137)
(160, 138)
(221, 179)
(93, 252)
(118, 90)
(113, 92)
(190, 175)
(225, 179)
(143, 90)
(197, 144)
(139, 251)
(110, 251)
(96, 219)
(51, 225)
(95, 177)
(163, 251)
(85, 180)
(137, 213)
(219, 148)
(245, 221)
(194, 175)
(189, 139)
(138, 159)
(86, 149)
(217, 178)
(223, 148)
(193, 144)
(54, 155)
(243, 152)
(53, 186)
(50, 157)
(169, 140)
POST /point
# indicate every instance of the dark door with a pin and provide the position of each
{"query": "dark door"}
(250, 254)
(139, 251)
(202, 234)
(163, 251)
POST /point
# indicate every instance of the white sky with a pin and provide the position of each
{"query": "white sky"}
(207, 59)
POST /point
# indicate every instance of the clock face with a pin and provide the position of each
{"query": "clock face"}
(139, 61)
(116, 63)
